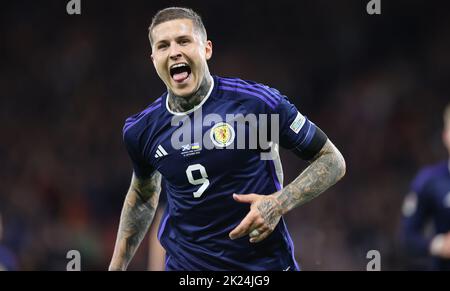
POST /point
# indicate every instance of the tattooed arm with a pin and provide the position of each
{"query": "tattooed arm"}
(137, 214)
(326, 168)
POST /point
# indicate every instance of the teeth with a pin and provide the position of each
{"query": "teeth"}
(178, 66)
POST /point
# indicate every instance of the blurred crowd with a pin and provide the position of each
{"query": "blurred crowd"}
(376, 85)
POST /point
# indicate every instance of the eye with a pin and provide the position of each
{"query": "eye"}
(161, 46)
(184, 41)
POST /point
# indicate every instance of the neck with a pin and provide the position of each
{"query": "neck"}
(183, 104)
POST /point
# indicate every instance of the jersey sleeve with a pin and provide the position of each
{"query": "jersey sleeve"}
(141, 167)
(296, 131)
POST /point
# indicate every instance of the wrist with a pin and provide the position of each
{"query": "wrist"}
(281, 208)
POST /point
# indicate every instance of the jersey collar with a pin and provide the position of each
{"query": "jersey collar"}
(193, 109)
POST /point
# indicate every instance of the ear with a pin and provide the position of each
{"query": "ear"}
(208, 49)
(153, 60)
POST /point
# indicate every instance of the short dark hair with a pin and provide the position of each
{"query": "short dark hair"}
(173, 13)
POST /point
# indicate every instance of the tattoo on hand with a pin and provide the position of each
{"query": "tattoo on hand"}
(270, 210)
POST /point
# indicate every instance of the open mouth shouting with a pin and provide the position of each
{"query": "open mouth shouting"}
(180, 72)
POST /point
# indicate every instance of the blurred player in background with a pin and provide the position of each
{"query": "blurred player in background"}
(429, 202)
(8, 261)
(206, 226)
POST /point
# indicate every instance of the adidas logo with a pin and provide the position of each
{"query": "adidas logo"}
(160, 152)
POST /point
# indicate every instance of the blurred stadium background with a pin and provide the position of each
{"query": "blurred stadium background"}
(376, 84)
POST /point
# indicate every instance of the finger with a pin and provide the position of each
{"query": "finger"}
(245, 198)
(244, 227)
(257, 230)
(261, 237)
(258, 225)
(254, 233)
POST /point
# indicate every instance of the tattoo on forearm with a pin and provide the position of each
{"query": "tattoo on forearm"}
(327, 168)
(137, 214)
(183, 104)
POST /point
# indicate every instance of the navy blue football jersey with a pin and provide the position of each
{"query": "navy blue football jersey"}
(429, 201)
(8, 261)
(203, 171)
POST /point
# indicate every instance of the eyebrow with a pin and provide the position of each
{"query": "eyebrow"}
(176, 38)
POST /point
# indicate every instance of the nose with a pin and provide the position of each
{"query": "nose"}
(174, 52)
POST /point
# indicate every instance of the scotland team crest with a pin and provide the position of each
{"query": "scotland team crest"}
(222, 134)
